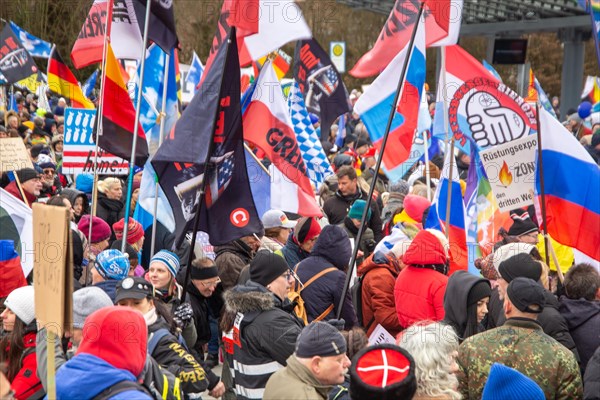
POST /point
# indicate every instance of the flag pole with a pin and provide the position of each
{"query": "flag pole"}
(249, 150)
(542, 192)
(162, 115)
(136, 128)
(427, 169)
(450, 178)
(363, 221)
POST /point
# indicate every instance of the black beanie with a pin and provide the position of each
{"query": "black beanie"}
(480, 290)
(26, 174)
(383, 372)
(520, 265)
(522, 224)
(266, 267)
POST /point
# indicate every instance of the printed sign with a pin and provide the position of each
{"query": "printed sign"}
(510, 167)
(337, 53)
(381, 335)
(13, 155)
(80, 148)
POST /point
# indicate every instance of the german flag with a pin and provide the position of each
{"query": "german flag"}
(118, 116)
(62, 81)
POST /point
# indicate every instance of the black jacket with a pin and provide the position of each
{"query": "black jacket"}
(230, 259)
(591, 379)
(552, 322)
(262, 338)
(110, 211)
(332, 249)
(456, 298)
(336, 209)
(583, 320)
(203, 307)
(292, 253)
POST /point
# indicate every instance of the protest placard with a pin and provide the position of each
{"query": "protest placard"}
(13, 155)
(510, 168)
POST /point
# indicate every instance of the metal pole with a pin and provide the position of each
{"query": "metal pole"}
(427, 171)
(449, 200)
(136, 128)
(363, 221)
(162, 116)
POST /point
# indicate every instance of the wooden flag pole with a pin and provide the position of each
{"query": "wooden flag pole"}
(51, 337)
(363, 221)
(136, 127)
(542, 192)
(21, 189)
(249, 150)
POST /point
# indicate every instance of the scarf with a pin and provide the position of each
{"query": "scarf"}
(151, 317)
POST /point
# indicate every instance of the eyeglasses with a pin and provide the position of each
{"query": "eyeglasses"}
(48, 172)
(210, 284)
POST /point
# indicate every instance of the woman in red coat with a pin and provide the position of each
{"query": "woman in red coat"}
(18, 345)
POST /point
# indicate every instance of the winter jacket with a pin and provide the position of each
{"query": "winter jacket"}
(419, 294)
(367, 241)
(395, 201)
(552, 322)
(455, 300)
(203, 307)
(110, 211)
(109, 287)
(295, 382)
(336, 208)
(292, 252)
(382, 180)
(583, 319)
(270, 244)
(378, 305)
(262, 338)
(332, 249)
(174, 357)
(73, 195)
(231, 259)
(189, 334)
(13, 189)
(591, 379)
(520, 344)
(26, 384)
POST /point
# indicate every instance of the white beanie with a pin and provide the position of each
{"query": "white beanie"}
(21, 301)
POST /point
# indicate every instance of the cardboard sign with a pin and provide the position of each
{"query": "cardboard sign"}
(80, 148)
(510, 168)
(13, 155)
(52, 267)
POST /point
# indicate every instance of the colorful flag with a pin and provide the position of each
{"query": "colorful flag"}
(161, 27)
(591, 89)
(207, 143)
(124, 31)
(267, 124)
(144, 209)
(195, 73)
(34, 45)
(375, 104)
(572, 188)
(62, 82)
(15, 62)
(317, 164)
(90, 83)
(118, 116)
(17, 225)
(492, 70)
(281, 63)
(32, 82)
(532, 94)
(543, 98)
(10, 268)
(397, 31)
(320, 83)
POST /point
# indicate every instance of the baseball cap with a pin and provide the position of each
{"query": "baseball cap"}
(525, 292)
(276, 219)
(134, 288)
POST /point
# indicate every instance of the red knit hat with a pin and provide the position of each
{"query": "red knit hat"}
(100, 229)
(425, 249)
(307, 228)
(135, 231)
(101, 340)
(415, 206)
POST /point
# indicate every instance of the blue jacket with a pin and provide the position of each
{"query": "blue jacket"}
(292, 253)
(109, 287)
(332, 249)
(85, 376)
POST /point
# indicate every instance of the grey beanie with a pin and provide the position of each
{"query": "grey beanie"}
(400, 186)
(86, 301)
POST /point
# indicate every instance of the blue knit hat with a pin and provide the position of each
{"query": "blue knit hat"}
(169, 259)
(111, 264)
(84, 183)
(357, 209)
(509, 384)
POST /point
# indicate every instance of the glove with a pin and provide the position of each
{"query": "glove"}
(183, 314)
(337, 323)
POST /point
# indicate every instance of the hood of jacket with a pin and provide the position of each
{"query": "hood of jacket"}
(379, 260)
(248, 298)
(73, 194)
(334, 246)
(85, 376)
(238, 247)
(455, 299)
(578, 312)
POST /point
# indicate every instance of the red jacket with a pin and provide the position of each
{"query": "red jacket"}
(27, 383)
(419, 294)
(378, 303)
(13, 189)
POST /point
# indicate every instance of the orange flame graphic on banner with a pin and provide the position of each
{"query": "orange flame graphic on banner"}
(505, 176)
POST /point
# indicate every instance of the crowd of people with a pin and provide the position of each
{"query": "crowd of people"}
(265, 307)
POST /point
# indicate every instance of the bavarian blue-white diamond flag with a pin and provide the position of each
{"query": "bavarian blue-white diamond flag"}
(34, 45)
(317, 164)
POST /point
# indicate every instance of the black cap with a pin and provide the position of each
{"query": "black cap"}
(320, 339)
(26, 174)
(134, 288)
(525, 292)
(522, 223)
(520, 265)
(266, 267)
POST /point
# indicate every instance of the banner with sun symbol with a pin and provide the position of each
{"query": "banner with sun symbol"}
(510, 168)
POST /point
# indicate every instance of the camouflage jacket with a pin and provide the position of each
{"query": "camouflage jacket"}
(520, 344)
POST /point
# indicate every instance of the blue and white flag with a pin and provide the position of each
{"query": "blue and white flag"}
(317, 164)
(543, 98)
(195, 73)
(89, 84)
(144, 209)
(34, 45)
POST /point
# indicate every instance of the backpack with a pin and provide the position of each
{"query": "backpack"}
(356, 293)
(295, 298)
(120, 387)
(161, 333)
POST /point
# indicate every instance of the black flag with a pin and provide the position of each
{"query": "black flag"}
(161, 29)
(320, 83)
(207, 143)
(15, 61)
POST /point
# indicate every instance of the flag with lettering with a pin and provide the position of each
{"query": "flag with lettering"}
(320, 83)
(15, 62)
(207, 143)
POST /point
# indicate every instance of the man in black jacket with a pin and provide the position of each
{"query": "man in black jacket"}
(336, 207)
